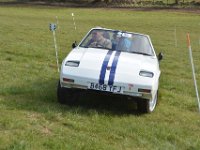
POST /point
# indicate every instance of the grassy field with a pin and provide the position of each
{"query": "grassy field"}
(31, 117)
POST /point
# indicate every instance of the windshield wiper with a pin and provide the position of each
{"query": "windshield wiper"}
(135, 52)
(142, 53)
(96, 47)
(84, 46)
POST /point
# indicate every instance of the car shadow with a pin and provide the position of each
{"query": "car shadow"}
(104, 103)
(41, 96)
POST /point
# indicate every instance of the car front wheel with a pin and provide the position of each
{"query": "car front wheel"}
(66, 96)
(147, 106)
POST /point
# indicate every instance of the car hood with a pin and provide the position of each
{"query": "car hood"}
(127, 68)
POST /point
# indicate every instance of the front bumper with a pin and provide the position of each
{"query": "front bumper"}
(126, 92)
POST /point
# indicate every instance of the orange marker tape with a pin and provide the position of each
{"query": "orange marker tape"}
(188, 39)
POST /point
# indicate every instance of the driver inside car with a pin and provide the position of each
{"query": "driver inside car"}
(98, 40)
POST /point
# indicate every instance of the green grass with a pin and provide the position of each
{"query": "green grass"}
(31, 117)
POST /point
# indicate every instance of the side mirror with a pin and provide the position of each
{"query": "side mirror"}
(160, 56)
(74, 44)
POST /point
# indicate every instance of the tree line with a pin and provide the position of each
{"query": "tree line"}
(122, 1)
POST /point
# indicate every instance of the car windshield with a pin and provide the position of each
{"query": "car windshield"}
(118, 40)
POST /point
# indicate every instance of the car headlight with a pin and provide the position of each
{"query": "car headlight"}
(72, 63)
(146, 74)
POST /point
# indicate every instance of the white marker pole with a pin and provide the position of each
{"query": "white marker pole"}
(175, 39)
(57, 21)
(53, 28)
(56, 49)
(193, 70)
(74, 21)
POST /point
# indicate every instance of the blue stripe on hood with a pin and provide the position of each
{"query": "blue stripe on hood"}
(113, 68)
(104, 66)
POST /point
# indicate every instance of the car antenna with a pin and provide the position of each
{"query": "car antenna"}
(52, 27)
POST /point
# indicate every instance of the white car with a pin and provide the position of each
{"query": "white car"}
(112, 62)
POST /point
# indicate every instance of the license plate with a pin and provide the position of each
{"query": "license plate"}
(105, 87)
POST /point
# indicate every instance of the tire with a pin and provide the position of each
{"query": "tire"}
(66, 96)
(147, 106)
